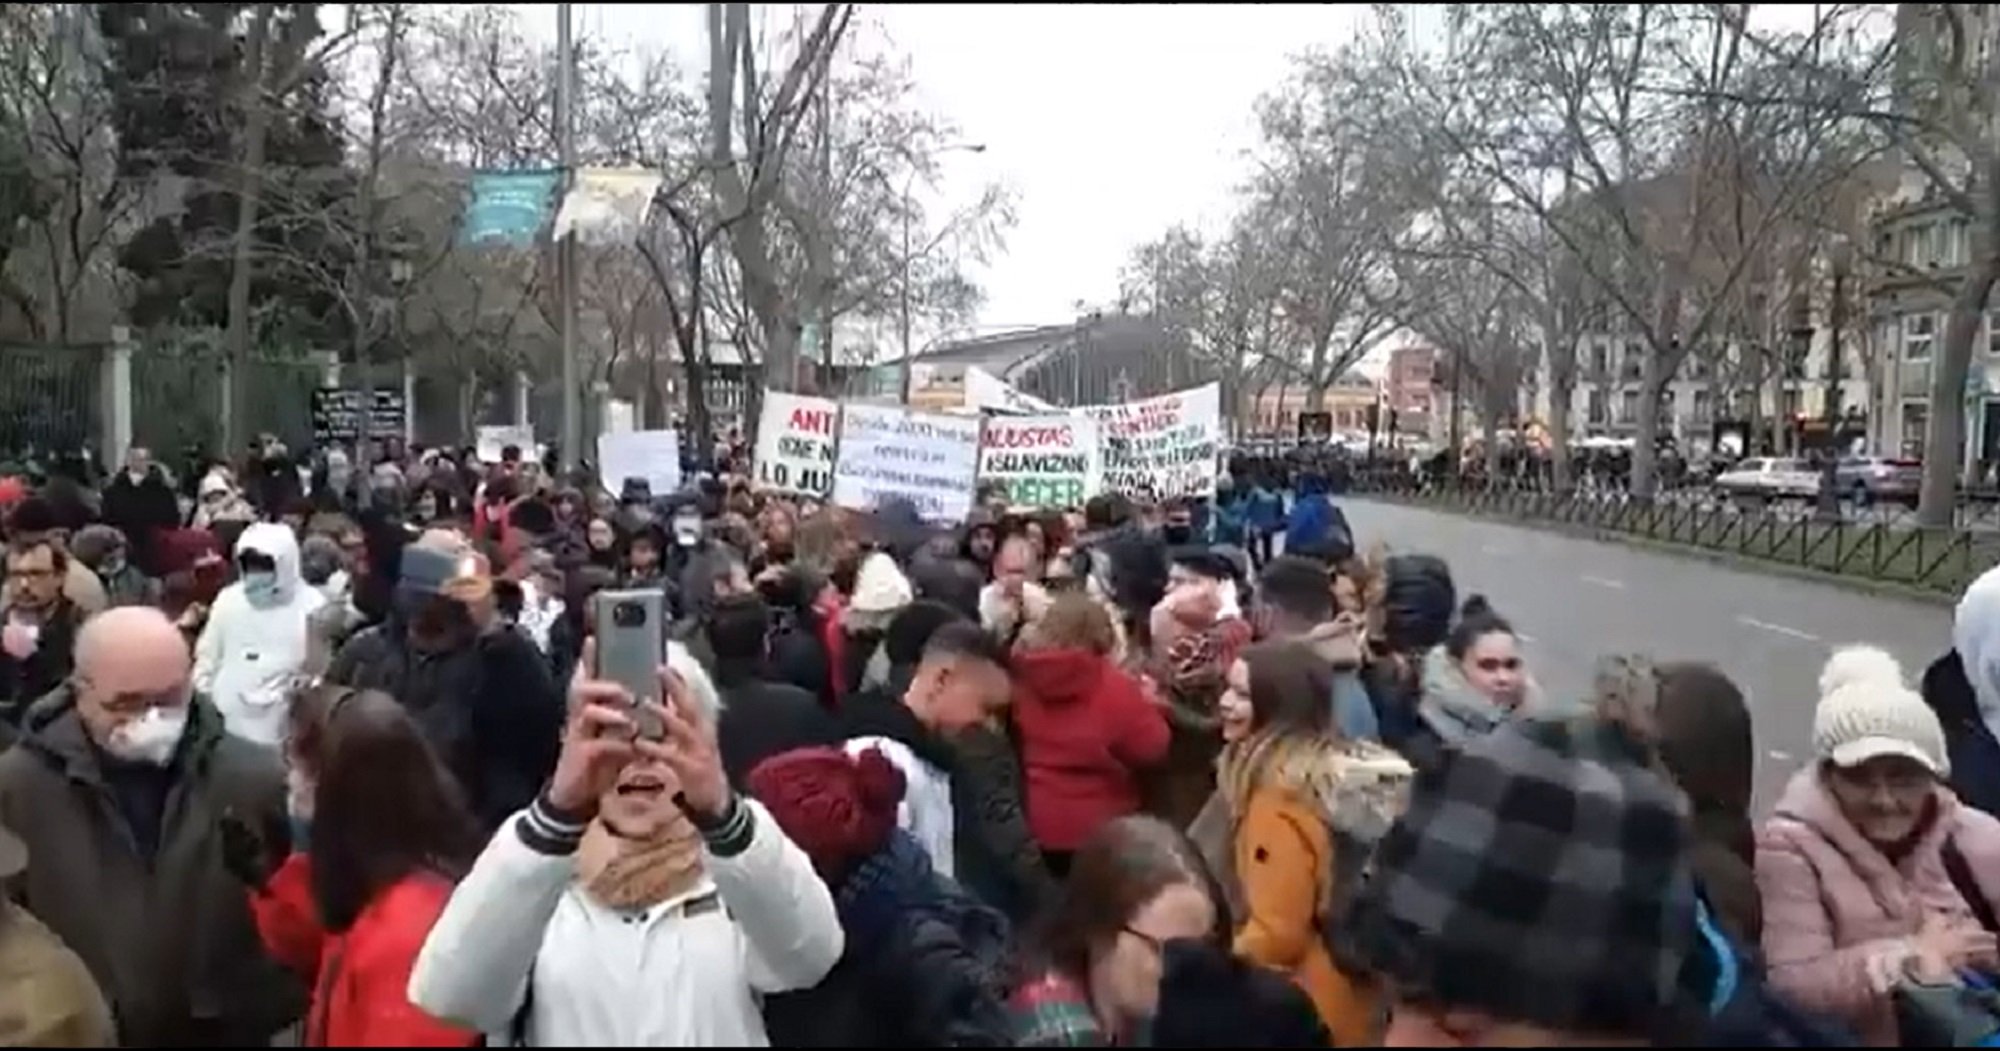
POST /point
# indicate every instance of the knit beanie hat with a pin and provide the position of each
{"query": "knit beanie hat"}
(839, 808)
(1540, 875)
(1866, 711)
(880, 587)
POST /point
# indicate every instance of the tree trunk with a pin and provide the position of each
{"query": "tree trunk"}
(1653, 376)
(249, 194)
(1944, 440)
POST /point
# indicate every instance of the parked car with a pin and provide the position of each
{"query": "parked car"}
(1769, 478)
(1867, 479)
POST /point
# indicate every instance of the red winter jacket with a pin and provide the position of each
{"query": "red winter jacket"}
(1085, 728)
(364, 1001)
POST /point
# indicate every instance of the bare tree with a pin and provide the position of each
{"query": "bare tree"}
(1677, 168)
(65, 210)
(752, 126)
(851, 235)
(1326, 193)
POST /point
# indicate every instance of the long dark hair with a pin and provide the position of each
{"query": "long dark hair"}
(1124, 865)
(384, 807)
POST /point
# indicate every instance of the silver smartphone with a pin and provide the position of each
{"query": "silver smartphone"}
(631, 647)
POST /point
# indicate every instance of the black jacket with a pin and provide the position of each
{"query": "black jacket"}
(141, 511)
(995, 855)
(761, 718)
(491, 709)
(23, 682)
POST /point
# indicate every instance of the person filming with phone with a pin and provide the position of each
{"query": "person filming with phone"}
(639, 901)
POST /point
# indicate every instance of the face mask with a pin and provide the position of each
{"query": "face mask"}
(151, 738)
(1178, 534)
(687, 531)
(111, 566)
(260, 588)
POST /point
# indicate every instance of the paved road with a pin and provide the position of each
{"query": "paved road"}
(1574, 600)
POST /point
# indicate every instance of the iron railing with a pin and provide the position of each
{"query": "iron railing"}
(1942, 561)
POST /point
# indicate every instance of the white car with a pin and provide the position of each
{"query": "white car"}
(1770, 478)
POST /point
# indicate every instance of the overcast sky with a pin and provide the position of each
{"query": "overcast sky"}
(1111, 123)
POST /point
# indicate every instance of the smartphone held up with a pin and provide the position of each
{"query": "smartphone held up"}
(631, 648)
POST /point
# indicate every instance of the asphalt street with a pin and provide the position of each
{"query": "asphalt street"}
(1575, 600)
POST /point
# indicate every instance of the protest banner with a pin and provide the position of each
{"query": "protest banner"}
(925, 458)
(652, 455)
(1042, 461)
(990, 393)
(1165, 446)
(795, 436)
(489, 442)
(607, 206)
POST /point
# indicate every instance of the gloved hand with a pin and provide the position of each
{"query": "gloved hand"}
(252, 855)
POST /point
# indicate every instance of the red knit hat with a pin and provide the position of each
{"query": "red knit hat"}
(838, 808)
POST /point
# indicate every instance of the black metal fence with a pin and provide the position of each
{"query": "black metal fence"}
(1942, 561)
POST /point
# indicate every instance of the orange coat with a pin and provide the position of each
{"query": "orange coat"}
(1283, 855)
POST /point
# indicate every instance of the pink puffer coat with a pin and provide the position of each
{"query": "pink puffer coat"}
(1832, 901)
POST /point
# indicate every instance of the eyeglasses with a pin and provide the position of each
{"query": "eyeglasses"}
(1158, 945)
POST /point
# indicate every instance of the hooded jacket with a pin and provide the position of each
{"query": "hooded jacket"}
(249, 654)
(1085, 728)
(167, 935)
(1963, 688)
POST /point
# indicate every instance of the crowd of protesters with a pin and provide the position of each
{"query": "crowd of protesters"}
(321, 756)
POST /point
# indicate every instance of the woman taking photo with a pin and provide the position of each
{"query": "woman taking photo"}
(347, 895)
(1307, 808)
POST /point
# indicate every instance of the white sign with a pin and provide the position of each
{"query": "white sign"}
(652, 455)
(984, 390)
(795, 438)
(1165, 446)
(925, 458)
(492, 440)
(1043, 461)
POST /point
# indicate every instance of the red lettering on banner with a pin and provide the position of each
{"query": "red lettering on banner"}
(814, 421)
(1035, 437)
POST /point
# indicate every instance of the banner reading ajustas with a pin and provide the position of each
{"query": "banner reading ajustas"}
(1043, 461)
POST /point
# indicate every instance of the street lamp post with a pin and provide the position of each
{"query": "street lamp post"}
(903, 293)
(1839, 258)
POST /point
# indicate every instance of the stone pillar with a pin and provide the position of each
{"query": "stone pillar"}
(114, 379)
(409, 405)
(522, 386)
(329, 368)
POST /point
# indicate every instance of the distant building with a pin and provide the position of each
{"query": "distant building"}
(1408, 386)
(1273, 412)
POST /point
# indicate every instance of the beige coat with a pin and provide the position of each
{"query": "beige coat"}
(47, 997)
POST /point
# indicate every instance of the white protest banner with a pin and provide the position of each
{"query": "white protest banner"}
(607, 206)
(1042, 461)
(1164, 445)
(795, 443)
(652, 455)
(984, 390)
(927, 459)
(492, 441)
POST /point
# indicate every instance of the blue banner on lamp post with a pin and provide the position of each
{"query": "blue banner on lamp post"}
(509, 207)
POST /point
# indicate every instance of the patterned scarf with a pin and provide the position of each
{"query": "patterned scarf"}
(629, 875)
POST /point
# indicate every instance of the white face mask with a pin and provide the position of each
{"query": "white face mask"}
(687, 531)
(151, 738)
